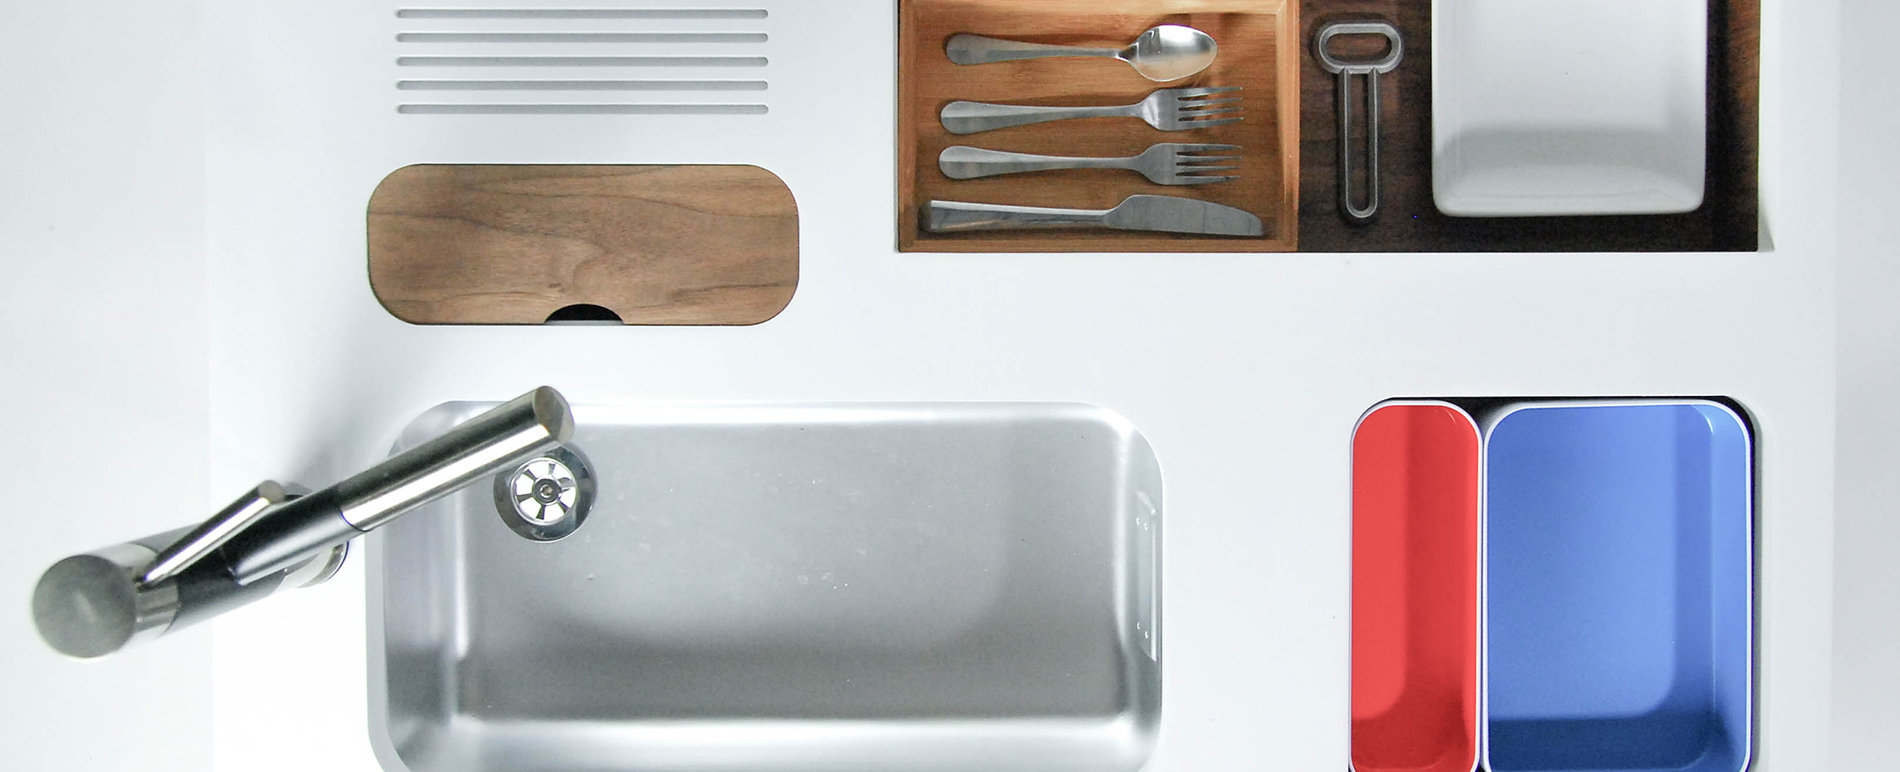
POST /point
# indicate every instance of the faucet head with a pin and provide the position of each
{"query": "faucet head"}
(94, 604)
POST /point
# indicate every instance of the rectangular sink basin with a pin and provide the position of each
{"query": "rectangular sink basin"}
(808, 587)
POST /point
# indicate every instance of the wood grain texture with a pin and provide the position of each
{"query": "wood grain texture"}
(1409, 221)
(512, 244)
(1258, 52)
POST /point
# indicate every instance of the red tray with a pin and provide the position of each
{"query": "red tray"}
(1415, 585)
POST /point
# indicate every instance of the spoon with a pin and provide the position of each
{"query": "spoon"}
(1168, 52)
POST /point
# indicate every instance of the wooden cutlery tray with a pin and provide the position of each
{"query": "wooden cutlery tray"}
(1259, 51)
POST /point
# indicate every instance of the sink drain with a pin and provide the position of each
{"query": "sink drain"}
(547, 497)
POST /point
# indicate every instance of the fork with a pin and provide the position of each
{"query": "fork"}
(1166, 163)
(1169, 109)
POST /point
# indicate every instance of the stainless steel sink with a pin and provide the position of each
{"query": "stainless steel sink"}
(762, 588)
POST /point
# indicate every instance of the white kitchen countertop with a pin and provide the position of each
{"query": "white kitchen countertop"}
(1246, 372)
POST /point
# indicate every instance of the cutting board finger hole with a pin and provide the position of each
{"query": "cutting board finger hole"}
(584, 313)
(551, 244)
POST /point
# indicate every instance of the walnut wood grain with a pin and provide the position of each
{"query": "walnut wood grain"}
(512, 244)
(1259, 52)
(1410, 222)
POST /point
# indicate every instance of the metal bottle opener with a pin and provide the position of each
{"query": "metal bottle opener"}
(1345, 71)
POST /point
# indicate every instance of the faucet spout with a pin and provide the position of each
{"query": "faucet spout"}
(520, 429)
(269, 539)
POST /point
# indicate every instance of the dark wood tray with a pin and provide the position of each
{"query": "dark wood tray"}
(1408, 220)
(1259, 51)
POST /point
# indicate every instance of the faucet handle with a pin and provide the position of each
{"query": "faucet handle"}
(208, 536)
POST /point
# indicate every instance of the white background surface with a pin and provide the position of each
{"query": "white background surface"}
(104, 335)
(130, 315)
(1867, 529)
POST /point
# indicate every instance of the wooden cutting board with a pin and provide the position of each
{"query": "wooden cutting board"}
(1259, 51)
(514, 244)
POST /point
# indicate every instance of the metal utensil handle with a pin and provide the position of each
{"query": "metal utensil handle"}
(1358, 213)
(973, 117)
(1345, 70)
(966, 163)
(978, 49)
(961, 216)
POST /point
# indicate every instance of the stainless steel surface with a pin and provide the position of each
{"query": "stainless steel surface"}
(1135, 213)
(92, 605)
(1166, 163)
(548, 497)
(1168, 109)
(527, 426)
(1164, 53)
(213, 533)
(1345, 70)
(810, 588)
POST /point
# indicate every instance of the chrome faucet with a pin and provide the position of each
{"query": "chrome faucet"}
(276, 537)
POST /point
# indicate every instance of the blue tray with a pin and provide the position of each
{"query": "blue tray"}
(1619, 588)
